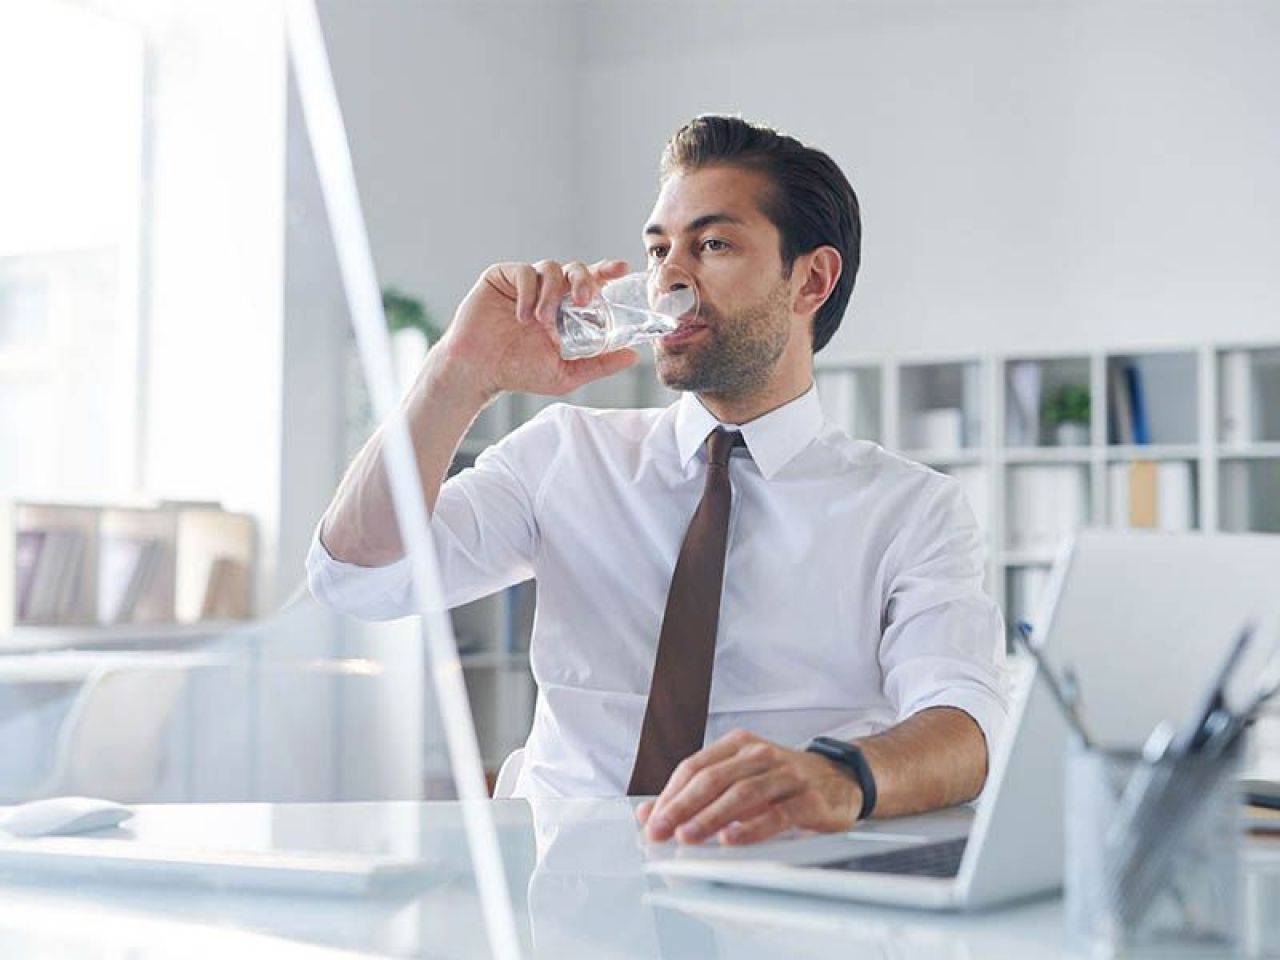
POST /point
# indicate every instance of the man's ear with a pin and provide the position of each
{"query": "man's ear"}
(817, 272)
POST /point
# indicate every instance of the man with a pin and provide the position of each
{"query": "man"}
(822, 586)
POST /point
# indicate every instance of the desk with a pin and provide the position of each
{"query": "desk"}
(574, 869)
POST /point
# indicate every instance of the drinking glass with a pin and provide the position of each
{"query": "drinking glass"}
(627, 311)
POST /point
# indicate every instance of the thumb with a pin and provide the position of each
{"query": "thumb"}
(605, 365)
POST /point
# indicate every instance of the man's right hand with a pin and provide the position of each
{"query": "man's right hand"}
(503, 337)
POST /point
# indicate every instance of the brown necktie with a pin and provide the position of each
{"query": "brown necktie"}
(675, 719)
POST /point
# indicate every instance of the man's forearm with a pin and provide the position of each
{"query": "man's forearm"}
(360, 525)
(936, 758)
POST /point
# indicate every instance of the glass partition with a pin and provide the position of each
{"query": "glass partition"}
(192, 348)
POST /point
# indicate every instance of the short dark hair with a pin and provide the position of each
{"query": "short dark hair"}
(811, 202)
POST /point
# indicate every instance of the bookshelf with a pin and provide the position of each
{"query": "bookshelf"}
(1201, 452)
(83, 568)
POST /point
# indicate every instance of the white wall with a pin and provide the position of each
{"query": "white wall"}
(465, 147)
(1032, 174)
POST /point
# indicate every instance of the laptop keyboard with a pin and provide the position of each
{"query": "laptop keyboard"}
(941, 859)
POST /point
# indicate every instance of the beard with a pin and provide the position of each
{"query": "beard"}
(737, 354)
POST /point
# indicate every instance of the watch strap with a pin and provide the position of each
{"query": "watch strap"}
(849, 758)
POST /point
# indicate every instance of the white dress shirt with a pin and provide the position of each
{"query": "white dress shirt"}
(852, 596)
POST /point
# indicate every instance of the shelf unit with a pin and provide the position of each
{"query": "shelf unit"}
(1212, 450)
(114, 567)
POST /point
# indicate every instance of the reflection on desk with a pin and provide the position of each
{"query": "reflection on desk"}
(575, 869)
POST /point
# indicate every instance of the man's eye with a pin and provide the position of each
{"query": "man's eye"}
(714, 245)
(657, 253)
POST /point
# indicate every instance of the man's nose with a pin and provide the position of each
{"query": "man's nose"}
(672, 276)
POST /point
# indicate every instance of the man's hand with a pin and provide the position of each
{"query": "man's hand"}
(746, 789)
(503, 337)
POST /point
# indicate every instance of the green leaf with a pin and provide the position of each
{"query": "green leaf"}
(407, 313)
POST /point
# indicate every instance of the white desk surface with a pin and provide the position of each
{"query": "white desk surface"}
(576, 880)
(76, 666)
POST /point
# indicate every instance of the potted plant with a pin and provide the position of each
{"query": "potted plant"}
(1067, 414)
(412, 333)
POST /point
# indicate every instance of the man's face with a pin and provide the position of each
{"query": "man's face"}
(709, 224)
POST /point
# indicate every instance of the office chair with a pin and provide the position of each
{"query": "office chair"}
(111, 742)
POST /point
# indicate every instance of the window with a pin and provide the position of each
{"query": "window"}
(72, 111)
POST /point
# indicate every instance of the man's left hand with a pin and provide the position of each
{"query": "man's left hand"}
(746, 789)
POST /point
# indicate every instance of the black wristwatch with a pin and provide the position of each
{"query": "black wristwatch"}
(850, 759)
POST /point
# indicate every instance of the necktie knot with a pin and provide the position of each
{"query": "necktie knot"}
(720, 444)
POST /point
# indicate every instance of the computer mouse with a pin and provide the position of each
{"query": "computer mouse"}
(62, 815)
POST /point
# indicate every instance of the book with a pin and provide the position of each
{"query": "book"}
(52, 589)
(1118, 495)
(126, 567)
(1024, 403)
(26, 559)
(1121, 409)
(1137, 404)
(1175, 496)
(69, 579)
(226, 595)
(1047, 503)
(1236, 398)
(971, 404)
(1143, 494)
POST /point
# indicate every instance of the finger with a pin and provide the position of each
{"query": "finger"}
(643, 811)
(762, 826)
(525, 279)
(747, 797)
(681, 815)
(609, 269)
(687, 768)
(551, 293)
(597, 368)
(582, 284)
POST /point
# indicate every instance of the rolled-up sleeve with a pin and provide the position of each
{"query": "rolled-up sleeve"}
(484, 529)
(943, 639)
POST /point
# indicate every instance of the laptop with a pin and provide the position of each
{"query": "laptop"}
(1121, 609)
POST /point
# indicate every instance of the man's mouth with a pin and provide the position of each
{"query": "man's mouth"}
(689, 327)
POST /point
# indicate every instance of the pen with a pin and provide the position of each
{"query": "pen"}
(1196, 735)
(1066, 702)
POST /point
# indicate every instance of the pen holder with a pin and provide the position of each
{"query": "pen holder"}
(1153, 864)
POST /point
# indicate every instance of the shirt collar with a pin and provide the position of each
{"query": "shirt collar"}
(773, 439)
